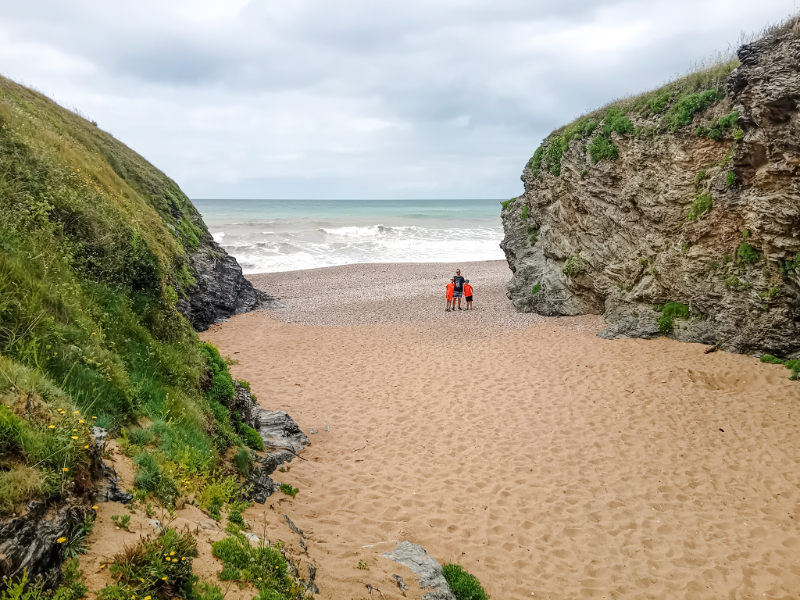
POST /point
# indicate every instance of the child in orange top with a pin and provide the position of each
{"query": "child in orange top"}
(450, 287)
(468, 294)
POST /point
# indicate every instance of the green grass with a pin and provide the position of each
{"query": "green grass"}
(768, 358)
(464, 585)
(536, 289)
(93, 257)
(263, 566)
(524, 213)
(669, 312)
(701, 205)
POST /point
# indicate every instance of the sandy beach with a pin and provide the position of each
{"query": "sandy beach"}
(543, 459)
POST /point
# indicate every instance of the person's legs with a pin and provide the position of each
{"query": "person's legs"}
(459, 303)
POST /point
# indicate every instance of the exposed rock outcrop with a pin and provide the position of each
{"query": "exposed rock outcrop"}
(283, 441)
(421, 564)
(704, 213)
(30, 542)
(220, 289)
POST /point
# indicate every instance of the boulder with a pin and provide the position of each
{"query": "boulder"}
(423, 566)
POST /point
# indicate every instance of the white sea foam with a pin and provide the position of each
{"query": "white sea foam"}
(271, 236)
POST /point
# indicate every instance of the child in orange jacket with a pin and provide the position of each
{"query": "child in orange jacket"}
(468, 294)
(450, 287)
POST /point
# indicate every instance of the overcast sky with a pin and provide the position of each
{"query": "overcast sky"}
(355, 99)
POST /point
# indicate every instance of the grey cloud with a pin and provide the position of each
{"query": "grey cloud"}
(357, 99)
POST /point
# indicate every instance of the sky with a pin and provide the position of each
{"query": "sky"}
(355, 99)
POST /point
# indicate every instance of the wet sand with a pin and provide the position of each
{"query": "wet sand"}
(542, 458)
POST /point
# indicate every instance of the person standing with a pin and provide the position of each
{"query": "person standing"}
(449, 295)
(468, 293)
(458, 289)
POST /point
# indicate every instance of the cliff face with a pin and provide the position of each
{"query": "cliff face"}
(676, 212)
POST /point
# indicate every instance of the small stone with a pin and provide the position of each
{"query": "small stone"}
(400, 583)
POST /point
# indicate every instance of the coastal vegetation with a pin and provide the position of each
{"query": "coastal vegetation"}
(464, 585)
(94, 262)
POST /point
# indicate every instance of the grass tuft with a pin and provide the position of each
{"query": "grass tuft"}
(464, 585)
(669, 312)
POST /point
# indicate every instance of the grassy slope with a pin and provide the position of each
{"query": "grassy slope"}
(93, 241)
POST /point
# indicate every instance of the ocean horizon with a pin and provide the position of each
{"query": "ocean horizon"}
(269, 236)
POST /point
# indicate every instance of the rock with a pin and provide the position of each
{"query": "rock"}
(400, 583)
(621, 227)
(220, 288)
(280, 431)
(293, 527)
(283, 440)
(105, 477)
(30, 542)
(311, 585)
(312, 431)
(428, 570)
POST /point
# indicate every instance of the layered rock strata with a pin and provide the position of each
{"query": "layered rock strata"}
(703, 214)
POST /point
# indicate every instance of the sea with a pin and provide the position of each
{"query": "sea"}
(268, 236)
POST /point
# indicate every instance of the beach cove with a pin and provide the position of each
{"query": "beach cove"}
(543, 459)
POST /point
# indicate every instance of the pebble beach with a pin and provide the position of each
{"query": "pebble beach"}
(549, 462)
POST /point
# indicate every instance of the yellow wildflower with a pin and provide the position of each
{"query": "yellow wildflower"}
(259, 578)
(51, 427)
(74, 437)
(172, 553)
(86, 447)
(94, 507)
(65, 469)
(164, 578)
(94, 417)
(80, 421)
(147, 598)
(76, 412)
(61, 540)
(74, 430)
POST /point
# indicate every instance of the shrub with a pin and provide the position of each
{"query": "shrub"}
(524, 213)
(464, 585)
(683, 111)
(263, 566)
(670, 312)
(535, 162)
(506, 203)
(746, 253)
(217, 493)
(685, 248)
(150, 477)
(603, 148)
(289, 490)
(157, 566)
(701, 205)
(717, 131)
(236, 517)
(616, 121)
(772, 293)
(734, 283)
(730, 178)
(251, 437)
(575, 265)
(794, 365)
(536, 289)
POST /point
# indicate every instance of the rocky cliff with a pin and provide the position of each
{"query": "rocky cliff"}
(676, 212)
